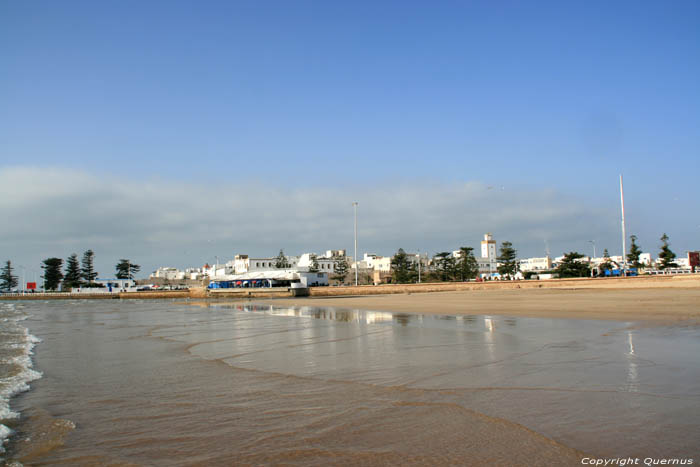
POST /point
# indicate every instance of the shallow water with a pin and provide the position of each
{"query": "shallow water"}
(16, 371)
(165, 383)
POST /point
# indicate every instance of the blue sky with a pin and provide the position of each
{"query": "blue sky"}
(547, 101)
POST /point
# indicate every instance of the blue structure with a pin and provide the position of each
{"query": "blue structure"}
(240, 284)
(618, 272)
(269, 279)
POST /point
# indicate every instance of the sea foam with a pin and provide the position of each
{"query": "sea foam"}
(14, 337)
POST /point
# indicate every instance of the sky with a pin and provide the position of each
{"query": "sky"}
(175, 133)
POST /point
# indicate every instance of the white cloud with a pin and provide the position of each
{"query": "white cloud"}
(54, 212)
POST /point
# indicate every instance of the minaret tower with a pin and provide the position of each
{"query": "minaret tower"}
(488, 247)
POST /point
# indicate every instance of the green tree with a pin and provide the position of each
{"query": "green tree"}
(281, 261)
(314, 264)
(635, 252)
(570, 267)
(340, 268)
(7, 280)
(507, 258)
(126, 269)
(52, 273)
(666, 255)
(88, 268)
(467, 267)
(607, 264)
(73, 276)
(402, 270)
(445, 265)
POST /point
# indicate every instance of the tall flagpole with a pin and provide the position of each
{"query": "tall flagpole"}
(355, 208)
(624, 236)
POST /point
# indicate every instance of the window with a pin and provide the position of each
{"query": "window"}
(257, 265)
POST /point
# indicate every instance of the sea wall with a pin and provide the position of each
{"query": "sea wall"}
(684, 281)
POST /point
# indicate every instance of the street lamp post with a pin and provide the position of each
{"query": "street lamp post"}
(418, 255)
(354, 205)
(594, 254)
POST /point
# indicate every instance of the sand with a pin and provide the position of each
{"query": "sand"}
(657, 305)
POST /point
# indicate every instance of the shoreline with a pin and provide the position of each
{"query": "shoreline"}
(469, 371)
(653, 305)
(654, 299)
(621, 283)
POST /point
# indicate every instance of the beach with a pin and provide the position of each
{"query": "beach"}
(658, 305)
(479, 377)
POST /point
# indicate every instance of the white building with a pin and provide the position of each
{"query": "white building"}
(193, 273)
(368, 261)
(535, 264)
(216, 270)
(378, 263)
(325, 263)
(682, 263)
(242, 264)
(174, 274)
(168, 273)
(383, 263)
(111, 286)
(644, 258)
(271, 278)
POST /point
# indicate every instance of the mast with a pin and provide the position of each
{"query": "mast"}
(624, 237)
(356, 267)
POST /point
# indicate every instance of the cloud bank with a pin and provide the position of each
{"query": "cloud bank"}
(55, 212)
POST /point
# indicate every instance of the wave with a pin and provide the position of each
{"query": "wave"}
(16, 349)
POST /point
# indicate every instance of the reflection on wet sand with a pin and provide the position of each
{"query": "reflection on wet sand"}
(534, 371)
(632, 376)
(246, 383)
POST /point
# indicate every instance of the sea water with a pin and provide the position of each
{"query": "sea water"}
(184, 383)
(16, 371)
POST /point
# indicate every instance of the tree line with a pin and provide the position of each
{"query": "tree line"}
(77, 273)
(463, 266)
(448, 267)
(570, 266)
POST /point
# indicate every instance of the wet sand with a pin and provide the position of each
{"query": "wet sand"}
(167, 383)
(657, 305)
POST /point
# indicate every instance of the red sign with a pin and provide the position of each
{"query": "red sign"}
(31, 285)
(694, 258)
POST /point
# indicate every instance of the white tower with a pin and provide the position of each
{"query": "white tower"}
(488, 247)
